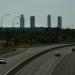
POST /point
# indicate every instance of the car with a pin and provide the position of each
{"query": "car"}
(2, 61)
(58, 54)
(73, 49)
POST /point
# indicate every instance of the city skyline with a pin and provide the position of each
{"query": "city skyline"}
(32, 21)
(40, 9)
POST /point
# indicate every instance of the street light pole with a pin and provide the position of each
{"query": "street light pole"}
(3, 17)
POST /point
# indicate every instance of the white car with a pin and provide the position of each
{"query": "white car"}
(2, 61)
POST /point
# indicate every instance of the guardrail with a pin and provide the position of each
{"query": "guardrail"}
(26, 61)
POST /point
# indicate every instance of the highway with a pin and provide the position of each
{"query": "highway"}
(44, 64)
(14, 60)
(66, 66)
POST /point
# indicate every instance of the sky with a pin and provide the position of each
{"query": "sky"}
(40, 9)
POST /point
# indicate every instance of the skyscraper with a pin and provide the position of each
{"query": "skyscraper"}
(32, 21)
(22, 21)
(59, 21)
(49, 21)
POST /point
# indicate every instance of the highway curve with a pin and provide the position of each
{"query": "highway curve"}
(44, 64)
(66, 66)
(15, 59)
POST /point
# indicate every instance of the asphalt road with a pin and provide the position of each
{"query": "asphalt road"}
(66, 66)
(14, 60)
(43, 65)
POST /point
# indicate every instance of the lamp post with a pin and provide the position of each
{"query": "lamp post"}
(3, 17)
(13, 22)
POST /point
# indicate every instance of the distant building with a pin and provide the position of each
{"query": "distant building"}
(22, 21)
(59, 22)
(49, 21)
(32, 21)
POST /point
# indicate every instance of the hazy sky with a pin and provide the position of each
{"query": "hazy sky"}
(40, 9)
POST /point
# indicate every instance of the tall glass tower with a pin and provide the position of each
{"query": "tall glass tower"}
(22, 21)
(59, 21)
(49, 21)
(32, 21)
